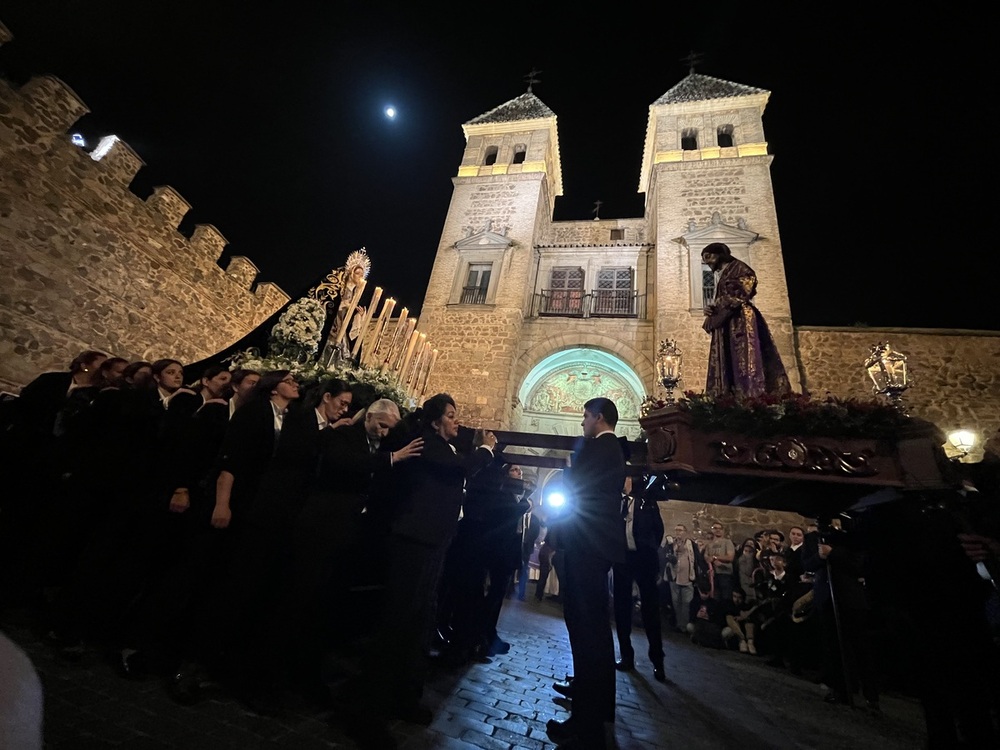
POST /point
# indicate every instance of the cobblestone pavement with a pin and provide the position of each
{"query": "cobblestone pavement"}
(712, 699)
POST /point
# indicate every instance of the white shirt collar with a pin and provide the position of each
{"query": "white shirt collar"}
(321, 421)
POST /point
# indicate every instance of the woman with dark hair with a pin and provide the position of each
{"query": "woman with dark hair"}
(196, 616)
(250, 443)
(139, 375)
(168, 374)
(432, 487)
(111, 373)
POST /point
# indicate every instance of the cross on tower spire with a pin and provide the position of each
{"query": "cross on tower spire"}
(597, 209)
(693, 58)
(533, 78)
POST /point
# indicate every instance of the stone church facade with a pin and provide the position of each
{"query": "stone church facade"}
(533, 316)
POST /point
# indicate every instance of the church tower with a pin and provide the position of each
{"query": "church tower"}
(481, 282)
(706, 176)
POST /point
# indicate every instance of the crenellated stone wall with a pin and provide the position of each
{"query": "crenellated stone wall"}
(87, 264)
(955, 374)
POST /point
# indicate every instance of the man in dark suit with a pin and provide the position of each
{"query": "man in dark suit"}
(531, 527)
(330, 533)
(593, 537)
(643, 533)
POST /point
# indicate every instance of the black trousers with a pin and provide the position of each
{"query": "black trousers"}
(585, 606)
(395, 667)
(639, 566)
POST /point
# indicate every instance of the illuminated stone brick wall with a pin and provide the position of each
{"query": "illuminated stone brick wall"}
(956, 374)
(87, 264)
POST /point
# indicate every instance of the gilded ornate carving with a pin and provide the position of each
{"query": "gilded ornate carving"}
(662, 443)
(796, 455)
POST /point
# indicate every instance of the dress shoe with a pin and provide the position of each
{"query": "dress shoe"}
(625, 665)
(563, 688)
(560, 732)
(498, 646)
(834, 697)
(658, 674)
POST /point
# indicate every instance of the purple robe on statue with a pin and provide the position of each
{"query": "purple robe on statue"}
(743, 359)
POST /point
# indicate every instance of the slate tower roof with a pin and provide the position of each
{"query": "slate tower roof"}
(525, 107)
(697, 87)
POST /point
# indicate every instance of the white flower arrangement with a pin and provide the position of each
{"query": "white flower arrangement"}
(298, 330)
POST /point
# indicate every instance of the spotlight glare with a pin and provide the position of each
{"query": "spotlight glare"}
(557, 500)
(390, 112)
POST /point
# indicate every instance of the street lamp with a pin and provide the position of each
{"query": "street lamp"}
(668, 367)
(887, 369)
(962, 441)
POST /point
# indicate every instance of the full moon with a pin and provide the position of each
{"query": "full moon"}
(390, 112)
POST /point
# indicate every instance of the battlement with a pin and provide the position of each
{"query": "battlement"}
(93, 265)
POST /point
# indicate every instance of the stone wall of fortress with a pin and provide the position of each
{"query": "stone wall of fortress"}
(86, 263)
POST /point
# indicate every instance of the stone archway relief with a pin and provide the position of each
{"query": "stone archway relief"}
(632, 359)
(554, 391)
(567, 388)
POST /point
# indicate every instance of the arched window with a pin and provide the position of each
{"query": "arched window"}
(725, 136)
(491, 156)
(519, 153)
(689, 139)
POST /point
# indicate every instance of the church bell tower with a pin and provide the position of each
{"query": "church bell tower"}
(483, 273)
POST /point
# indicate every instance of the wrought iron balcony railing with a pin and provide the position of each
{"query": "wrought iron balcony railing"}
(473, 295)
(598, 303)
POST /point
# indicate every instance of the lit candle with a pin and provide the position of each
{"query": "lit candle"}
(383, 319)
(419, 367)
(414, 335)
(427, 372)
(355, 298)
(414, 366)
(400, 324)
(372, 304)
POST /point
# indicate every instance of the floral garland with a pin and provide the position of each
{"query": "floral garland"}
(793, 414)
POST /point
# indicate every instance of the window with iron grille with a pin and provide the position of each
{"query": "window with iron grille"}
(617, 234)
(566, 291)
(614, 295)
(477, 283)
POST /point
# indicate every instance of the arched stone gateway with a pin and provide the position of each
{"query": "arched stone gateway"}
(553, 392)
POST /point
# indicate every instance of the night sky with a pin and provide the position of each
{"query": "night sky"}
(270, 123)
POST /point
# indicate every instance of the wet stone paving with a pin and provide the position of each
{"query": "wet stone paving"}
(711, 699)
